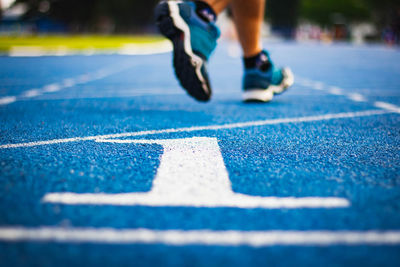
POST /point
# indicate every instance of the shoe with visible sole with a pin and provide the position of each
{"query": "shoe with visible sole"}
(193, 39)
(261, 85)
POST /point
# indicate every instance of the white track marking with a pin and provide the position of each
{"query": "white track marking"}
(318, 86)
(66, 83)
(325, 117)
(31, 93)
(84, 78)
(334, 90)
(7, 100)
(387, 106)
(199, 237)
(192, 173)
(356, 97)
(51, 88)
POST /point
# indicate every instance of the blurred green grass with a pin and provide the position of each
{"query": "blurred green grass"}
(75, 42)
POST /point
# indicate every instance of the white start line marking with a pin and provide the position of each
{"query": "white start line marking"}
(192, 173)
(199, 237)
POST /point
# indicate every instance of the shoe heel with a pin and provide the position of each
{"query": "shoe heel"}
(164, 21)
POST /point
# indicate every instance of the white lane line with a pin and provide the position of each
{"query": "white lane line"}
(192, 173)
(84, 78)
(51, 88)
(387, 106)
(334, 90)
(356, 97)
(31, 93)
(199, 237)
(66, 83)
(318, 86)
(325, 117)
(7, 100)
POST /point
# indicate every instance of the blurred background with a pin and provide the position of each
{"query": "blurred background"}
(357, 21)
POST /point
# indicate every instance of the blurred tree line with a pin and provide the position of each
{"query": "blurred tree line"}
(123, 16)
(336, 16)
(323, 12)
(117, 16)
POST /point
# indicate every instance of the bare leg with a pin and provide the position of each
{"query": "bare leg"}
(218, 5)
(248, 16)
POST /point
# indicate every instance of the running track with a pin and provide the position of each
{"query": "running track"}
(105, 160)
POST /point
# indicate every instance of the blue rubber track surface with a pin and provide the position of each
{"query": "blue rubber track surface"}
(355, 158)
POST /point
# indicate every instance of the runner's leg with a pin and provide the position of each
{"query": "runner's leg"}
(248, 16)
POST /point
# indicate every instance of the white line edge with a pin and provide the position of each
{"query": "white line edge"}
(199, 237)
(204, 128)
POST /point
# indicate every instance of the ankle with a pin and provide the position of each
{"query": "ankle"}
(259, 61)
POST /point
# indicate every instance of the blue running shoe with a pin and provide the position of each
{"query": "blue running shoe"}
(261, 83)
(193, 39)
